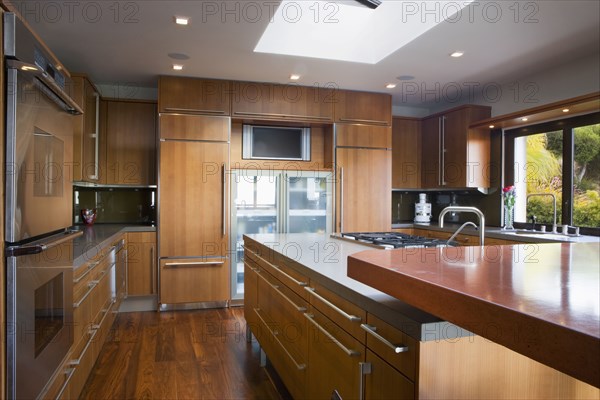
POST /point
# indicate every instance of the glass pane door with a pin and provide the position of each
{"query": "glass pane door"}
(255, 207)
(308, 201)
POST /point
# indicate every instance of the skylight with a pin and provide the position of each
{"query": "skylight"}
(347, 31)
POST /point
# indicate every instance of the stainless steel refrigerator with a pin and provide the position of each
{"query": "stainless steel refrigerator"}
(271, 201)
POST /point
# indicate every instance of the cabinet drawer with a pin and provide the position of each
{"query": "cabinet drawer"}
(191, 280)
(363, 136)
(276, 265)
(335, 358)
(341, 311)
(392, 345)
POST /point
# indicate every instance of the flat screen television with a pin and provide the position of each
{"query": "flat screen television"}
(275, 142)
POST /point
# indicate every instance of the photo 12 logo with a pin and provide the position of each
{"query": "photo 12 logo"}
(52, 12)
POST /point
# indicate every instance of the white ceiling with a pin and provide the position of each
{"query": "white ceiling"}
(128, 42)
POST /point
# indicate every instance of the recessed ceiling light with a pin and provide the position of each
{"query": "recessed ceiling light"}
(405, 77)
(457, 54)
(492, 126)
(566, 110)
(524, 119)
(177, 67)
(390, 85)
(181, 20)
(294, 77)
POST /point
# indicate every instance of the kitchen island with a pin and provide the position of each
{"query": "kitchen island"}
(539, 300)
(352, 337)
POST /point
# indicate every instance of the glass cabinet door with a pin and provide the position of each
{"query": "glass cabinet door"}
(255, 204)
(308, 202)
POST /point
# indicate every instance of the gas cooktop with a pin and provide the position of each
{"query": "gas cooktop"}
(394, 240)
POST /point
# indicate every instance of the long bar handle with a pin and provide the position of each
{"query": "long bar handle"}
(194, 111)
(91, 287)
(372, 331)
(296, 281)
(193, 264)
(224, 232)
(255, 114)
(364, 368)
(349, 317)
(77, 361)
(342, 199)
(349, 352)
(152, 270)
(96, 137)
(276, 288)
(275, 334)
(364, 121)
(90, 267)
(106, 312)
(443, 151)
(69, 372)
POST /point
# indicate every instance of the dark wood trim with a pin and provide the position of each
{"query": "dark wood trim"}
(585, 104)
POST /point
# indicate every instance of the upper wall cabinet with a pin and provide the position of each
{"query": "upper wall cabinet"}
(87, 151)
(406, 153)
(282, 102)
(130, 128)
(193, 96)
(453, 155)
(363, 108)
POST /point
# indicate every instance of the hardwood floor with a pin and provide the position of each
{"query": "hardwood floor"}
(179, 355)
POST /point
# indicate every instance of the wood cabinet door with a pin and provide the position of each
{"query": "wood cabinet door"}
(282, 102)
(363, 107)
(454, 146)
(193, 199)
(385, 382)
(87, 153)
(364, 189)
(131, 143)
(141, 263)
(406, 153)
(430, 153)
(194, 280)
(193, 96)
(334, 358)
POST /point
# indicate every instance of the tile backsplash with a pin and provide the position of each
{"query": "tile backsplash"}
(116, 205)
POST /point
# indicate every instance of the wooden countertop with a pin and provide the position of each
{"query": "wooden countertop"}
(541, 300)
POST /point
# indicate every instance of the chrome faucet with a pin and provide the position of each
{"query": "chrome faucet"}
(553, 206)
(460, 229)
(460, 209)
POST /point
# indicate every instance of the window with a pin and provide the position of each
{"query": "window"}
(560, 161)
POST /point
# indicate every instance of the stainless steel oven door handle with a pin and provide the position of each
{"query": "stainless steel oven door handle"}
(16, 251)
(57, 93)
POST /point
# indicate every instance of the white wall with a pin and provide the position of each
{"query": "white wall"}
(574, 78)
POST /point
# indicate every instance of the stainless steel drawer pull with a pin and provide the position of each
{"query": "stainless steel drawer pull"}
(89, 269)
(258, 114)
(276, 288)
(371, 330)
(297, 282)
(193, 264)
(349, 352)
(77, 361)
(275, 334)
(194, 110)
(106, 311)
(69, 372)
(349, 317)
(364, 121)
(91, 287)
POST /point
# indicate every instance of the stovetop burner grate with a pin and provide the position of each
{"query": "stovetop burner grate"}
(395, 240)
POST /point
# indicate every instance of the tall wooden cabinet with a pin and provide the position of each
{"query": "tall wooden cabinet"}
(193, 209)
(141, 263)
(130, 132)
(363, 166)
(453, 155)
